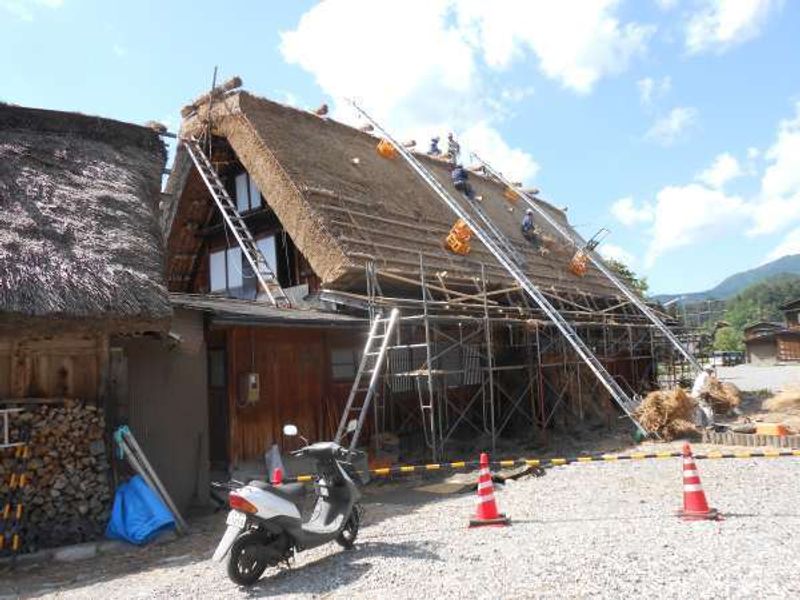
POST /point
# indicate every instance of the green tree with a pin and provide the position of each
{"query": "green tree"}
(636, 283)
(728, 339)
(762, 301)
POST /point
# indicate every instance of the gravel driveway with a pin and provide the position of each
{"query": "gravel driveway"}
(596, 529)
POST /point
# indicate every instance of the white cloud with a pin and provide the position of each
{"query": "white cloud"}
(119, 50)
(686, 214)
(702, 211)
(441, 81)
(666, 4)
(577, 42)
(778, 202)
(627, 213)
(671, 127)
(484, 139)
(789, 245)
(651, 89)
(615, 252)
(720, 24)
(724, 169)
(24, 9)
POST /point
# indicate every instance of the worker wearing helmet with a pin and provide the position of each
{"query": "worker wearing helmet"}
(528, 228)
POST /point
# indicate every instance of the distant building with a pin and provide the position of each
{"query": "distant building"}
(771, 343)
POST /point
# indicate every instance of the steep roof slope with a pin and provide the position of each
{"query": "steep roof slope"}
(342, 212)
(79, 239)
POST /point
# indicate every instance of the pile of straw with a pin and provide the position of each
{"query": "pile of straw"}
(786, 401)
(722, 397)
(670, 414)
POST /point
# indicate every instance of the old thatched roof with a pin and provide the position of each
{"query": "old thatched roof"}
(341, 212)
(79, 239)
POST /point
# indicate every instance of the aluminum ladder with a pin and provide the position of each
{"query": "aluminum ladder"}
(358, 402)
(597, 262)
(498, 235)
(492, 244)
(267, 280)
(5, 441)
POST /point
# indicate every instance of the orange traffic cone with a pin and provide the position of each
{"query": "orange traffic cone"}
(486, 513)
(695, 507)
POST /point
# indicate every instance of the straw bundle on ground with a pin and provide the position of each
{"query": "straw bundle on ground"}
(786, 401)
(722, 397)
(670, 414)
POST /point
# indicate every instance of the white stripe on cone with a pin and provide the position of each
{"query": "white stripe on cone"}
(484, 484)
(691, 473)
(692, 487)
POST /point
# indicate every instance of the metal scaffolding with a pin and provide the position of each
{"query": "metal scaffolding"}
(486, 363)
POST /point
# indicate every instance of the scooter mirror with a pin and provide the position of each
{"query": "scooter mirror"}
(351, 425)
(290, 430)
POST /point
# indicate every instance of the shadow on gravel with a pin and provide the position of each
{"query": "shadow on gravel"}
(331, 572)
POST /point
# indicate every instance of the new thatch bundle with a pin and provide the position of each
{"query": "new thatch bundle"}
(722, 397)
(786, 401)
(670, 414)
(79, 239)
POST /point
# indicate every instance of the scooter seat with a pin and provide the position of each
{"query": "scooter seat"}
(293, 492)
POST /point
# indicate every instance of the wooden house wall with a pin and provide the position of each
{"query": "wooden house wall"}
(294, 365)
(66, 366)
(789, 348)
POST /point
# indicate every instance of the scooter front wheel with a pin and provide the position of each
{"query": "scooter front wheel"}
(347, 536)
(247, 560)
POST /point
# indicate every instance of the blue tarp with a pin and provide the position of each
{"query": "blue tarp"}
(138, 514)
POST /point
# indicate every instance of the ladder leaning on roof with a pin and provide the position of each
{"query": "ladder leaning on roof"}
(233, 220)
(597, 262)
(371, 364)
(495, 247)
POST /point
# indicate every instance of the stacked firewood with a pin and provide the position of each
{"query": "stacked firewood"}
(67, 498)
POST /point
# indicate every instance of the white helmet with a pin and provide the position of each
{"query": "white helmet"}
(529, 212)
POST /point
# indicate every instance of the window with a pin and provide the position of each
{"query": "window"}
(267, 247)
(247, 195)
(225, 274)
(344, 363)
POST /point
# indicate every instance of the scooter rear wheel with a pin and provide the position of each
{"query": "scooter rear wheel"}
(247, 560)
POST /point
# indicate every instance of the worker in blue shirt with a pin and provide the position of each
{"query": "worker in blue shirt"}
(434, 151)
(460, 181)
(528, 229)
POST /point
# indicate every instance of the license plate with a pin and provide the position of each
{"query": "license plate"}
(236, 519)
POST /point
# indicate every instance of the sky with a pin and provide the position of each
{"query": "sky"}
(675, 124)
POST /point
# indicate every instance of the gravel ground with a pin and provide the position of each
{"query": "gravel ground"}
(754, 378)
(597, 529)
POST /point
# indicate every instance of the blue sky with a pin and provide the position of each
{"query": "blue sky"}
(673, 123)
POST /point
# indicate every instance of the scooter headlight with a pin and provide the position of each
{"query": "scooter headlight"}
(236, 502)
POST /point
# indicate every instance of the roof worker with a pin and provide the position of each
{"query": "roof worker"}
(460, 181)
(434, 150)
(528, 229)
(704, 415)
(453, 149)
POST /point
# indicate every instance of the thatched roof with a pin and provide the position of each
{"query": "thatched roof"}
(79, 239)
(341, 212)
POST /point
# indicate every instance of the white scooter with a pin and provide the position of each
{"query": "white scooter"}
(265, 527)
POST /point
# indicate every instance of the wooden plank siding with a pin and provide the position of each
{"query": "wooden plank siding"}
(294, 366)
(66, 366)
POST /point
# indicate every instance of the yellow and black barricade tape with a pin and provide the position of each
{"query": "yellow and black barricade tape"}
(558, 461)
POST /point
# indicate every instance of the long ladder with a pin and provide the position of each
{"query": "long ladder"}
(267, 280)
(583, 351)
(495, 232)
(597, 262)
(358, 402)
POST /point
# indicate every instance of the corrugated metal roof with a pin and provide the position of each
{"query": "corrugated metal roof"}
(234, 311)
